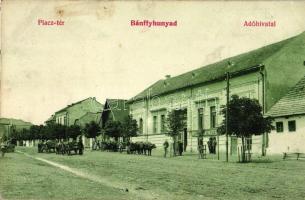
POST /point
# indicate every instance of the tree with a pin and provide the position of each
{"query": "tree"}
(113, 129)
(40, 134)
(175, 124)
(53, 131)
(73, 131)
(34, 132)
(245, 119)
(24, 134)
(92, 130)
(129, 127)
(58, 131)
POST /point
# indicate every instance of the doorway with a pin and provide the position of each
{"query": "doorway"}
(233, 145)
(184, 139)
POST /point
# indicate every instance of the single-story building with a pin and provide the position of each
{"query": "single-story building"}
(289, 121)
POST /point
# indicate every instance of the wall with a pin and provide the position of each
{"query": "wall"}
(288, 141)
(78, 110)
(4, 129)
(192, 99)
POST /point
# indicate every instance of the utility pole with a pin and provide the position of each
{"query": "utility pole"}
(227, 116)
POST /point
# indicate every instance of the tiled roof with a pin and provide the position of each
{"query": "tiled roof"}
(73, 104)
(293, 103)
(17, 122)
(118, 108)
(217, 70)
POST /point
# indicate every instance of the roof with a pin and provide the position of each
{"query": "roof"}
(52, 118)
(293, 103)
(88, 117)
(118, 108)
(73, 104)
(216, 71)
(16, 122)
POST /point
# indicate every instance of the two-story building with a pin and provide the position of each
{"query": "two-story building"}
(265, 74)
(79, 113)
(71, 114)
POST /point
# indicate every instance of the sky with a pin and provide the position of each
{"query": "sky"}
(97, 53)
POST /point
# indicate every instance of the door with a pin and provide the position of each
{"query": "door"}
(234, 145)
(184, 139)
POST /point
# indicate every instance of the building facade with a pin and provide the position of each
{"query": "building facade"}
(71, 114)
(264, 74)
(8, 124)
(289, 121)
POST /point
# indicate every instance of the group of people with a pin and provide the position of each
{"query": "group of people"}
(61, 147)
(178, 147)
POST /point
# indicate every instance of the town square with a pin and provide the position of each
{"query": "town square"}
(108, 104)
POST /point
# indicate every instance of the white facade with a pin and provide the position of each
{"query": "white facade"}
(208, 97)
(286, 140)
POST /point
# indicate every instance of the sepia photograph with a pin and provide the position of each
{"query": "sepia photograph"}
(160, 100)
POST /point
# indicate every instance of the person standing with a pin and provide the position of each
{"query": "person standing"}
(165, 146)
(3, 148)
(200, 148)
(214, 143)
(80, 146)
(180, 146)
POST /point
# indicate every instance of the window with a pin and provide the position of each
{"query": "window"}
(155, 124)
(249, 143)
(213, 116)
(141, 126)
(200, 119)
(279, 127)
(163, 121)
(291, 126)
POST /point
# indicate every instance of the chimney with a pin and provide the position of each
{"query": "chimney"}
(167, 76)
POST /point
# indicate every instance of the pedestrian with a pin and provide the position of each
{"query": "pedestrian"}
(80, 146)
(165, 146)
(180, 146)
(214, 143)
(200, 148)
(210, 145)
(3, 148)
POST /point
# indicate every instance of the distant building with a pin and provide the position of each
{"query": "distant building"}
(8, 124)
(79, 113)
(115, 110)
(72, 114)
(89, 117)
(265, 74)
(289, 121)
